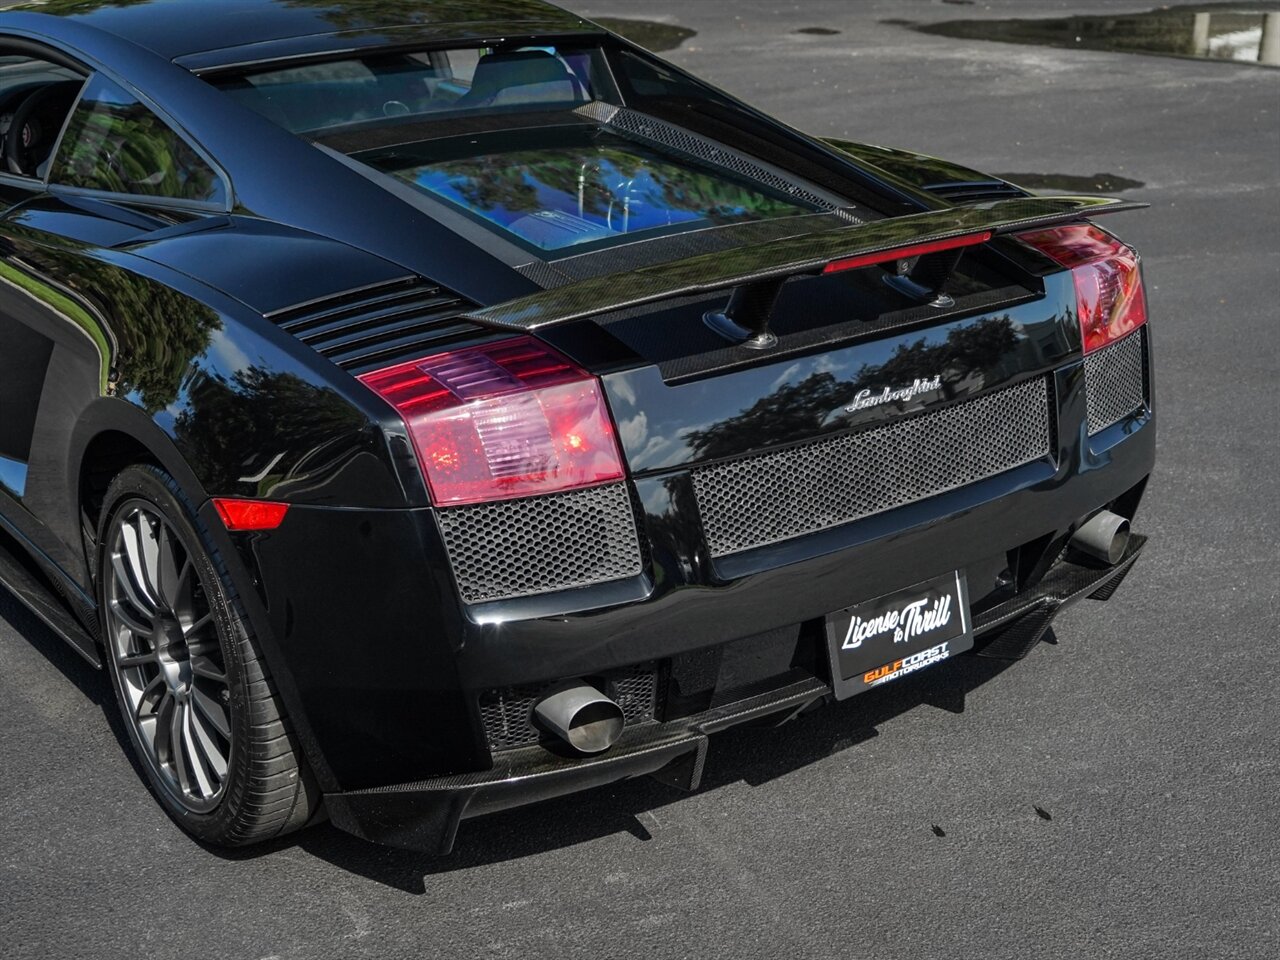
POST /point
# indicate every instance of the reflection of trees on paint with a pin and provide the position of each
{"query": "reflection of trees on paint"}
(792, 411)
(125, 148)
(158, 332)
(355, 14)
(797, 410)
(259, 411)
(966, 351)
(672, 532)
(69, 8)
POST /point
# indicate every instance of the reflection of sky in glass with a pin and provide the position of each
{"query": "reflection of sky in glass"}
(555, 198)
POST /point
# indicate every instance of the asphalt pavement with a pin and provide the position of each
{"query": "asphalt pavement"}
(1115, 794)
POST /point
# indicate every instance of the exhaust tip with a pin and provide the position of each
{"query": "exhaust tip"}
(581, 716)
(1103, 537)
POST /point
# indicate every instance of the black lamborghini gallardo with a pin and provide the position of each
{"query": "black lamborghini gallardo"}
(425, 408)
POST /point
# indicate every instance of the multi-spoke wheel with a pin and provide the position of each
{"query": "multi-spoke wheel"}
(195, 693)
(167, 655)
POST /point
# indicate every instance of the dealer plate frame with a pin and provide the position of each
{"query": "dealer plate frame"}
(852, 667)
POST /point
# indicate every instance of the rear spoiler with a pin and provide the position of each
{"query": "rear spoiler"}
(756, 273)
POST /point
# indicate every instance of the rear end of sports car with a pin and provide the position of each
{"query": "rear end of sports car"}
(642, 532)
(488, 410)
(766, 427)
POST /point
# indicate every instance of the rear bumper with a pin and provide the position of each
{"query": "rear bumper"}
(383, 667)
(424, 815)
(694, 600)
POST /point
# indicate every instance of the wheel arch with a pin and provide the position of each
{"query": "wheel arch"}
(114, 433)
(110, 435)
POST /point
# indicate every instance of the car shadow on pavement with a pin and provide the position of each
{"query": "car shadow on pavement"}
(93, 683)
(751, 755)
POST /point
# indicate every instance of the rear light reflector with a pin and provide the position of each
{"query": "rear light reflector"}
(1110, 301)
(904, 253)
(502, 420)
(239, 515)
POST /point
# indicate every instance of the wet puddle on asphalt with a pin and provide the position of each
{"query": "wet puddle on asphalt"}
(657, 36)
(1247, 32)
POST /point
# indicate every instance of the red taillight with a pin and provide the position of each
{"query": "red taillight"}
(502, 420)
(240, 515)
(1109, 297)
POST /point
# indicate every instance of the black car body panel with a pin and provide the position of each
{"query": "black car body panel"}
(224, 343)
(180, 30)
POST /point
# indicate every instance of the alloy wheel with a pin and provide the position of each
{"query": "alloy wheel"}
(167, 656)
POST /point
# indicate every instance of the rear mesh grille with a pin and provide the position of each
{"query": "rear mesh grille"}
(761, 500)
(517, 548)
(1115, 380)
(380, 325)
(507, 714)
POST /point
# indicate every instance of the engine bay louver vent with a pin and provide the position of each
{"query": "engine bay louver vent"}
(379, 325)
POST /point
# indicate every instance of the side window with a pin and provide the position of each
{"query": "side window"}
(652, 79)
(35, 98)
(114, 143)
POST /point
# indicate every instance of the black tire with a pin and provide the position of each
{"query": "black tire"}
(250, 785)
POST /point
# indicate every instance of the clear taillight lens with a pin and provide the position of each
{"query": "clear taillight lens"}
(502, 420)
(1109, 297)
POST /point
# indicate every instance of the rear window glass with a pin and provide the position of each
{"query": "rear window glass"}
(505, 137)
(370, 90)
(569, 186)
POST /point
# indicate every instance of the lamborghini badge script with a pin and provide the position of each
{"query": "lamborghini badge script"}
(866, 398)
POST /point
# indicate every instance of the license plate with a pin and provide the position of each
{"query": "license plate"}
(880, 640)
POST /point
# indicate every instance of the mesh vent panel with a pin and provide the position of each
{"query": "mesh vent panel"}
(507, 714)
(643, 127)
(516, 548)
(760, 500)
(634, 694)
(1115, 381)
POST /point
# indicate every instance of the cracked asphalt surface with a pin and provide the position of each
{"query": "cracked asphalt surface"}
(1113, 795)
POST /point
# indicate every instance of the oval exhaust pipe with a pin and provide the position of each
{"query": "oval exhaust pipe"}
(1104, 537)
(581, 716)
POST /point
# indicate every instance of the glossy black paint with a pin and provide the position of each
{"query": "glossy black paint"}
(801, 254)
(803, 397)
(425, 814)
(147, 325)
(176, 29)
